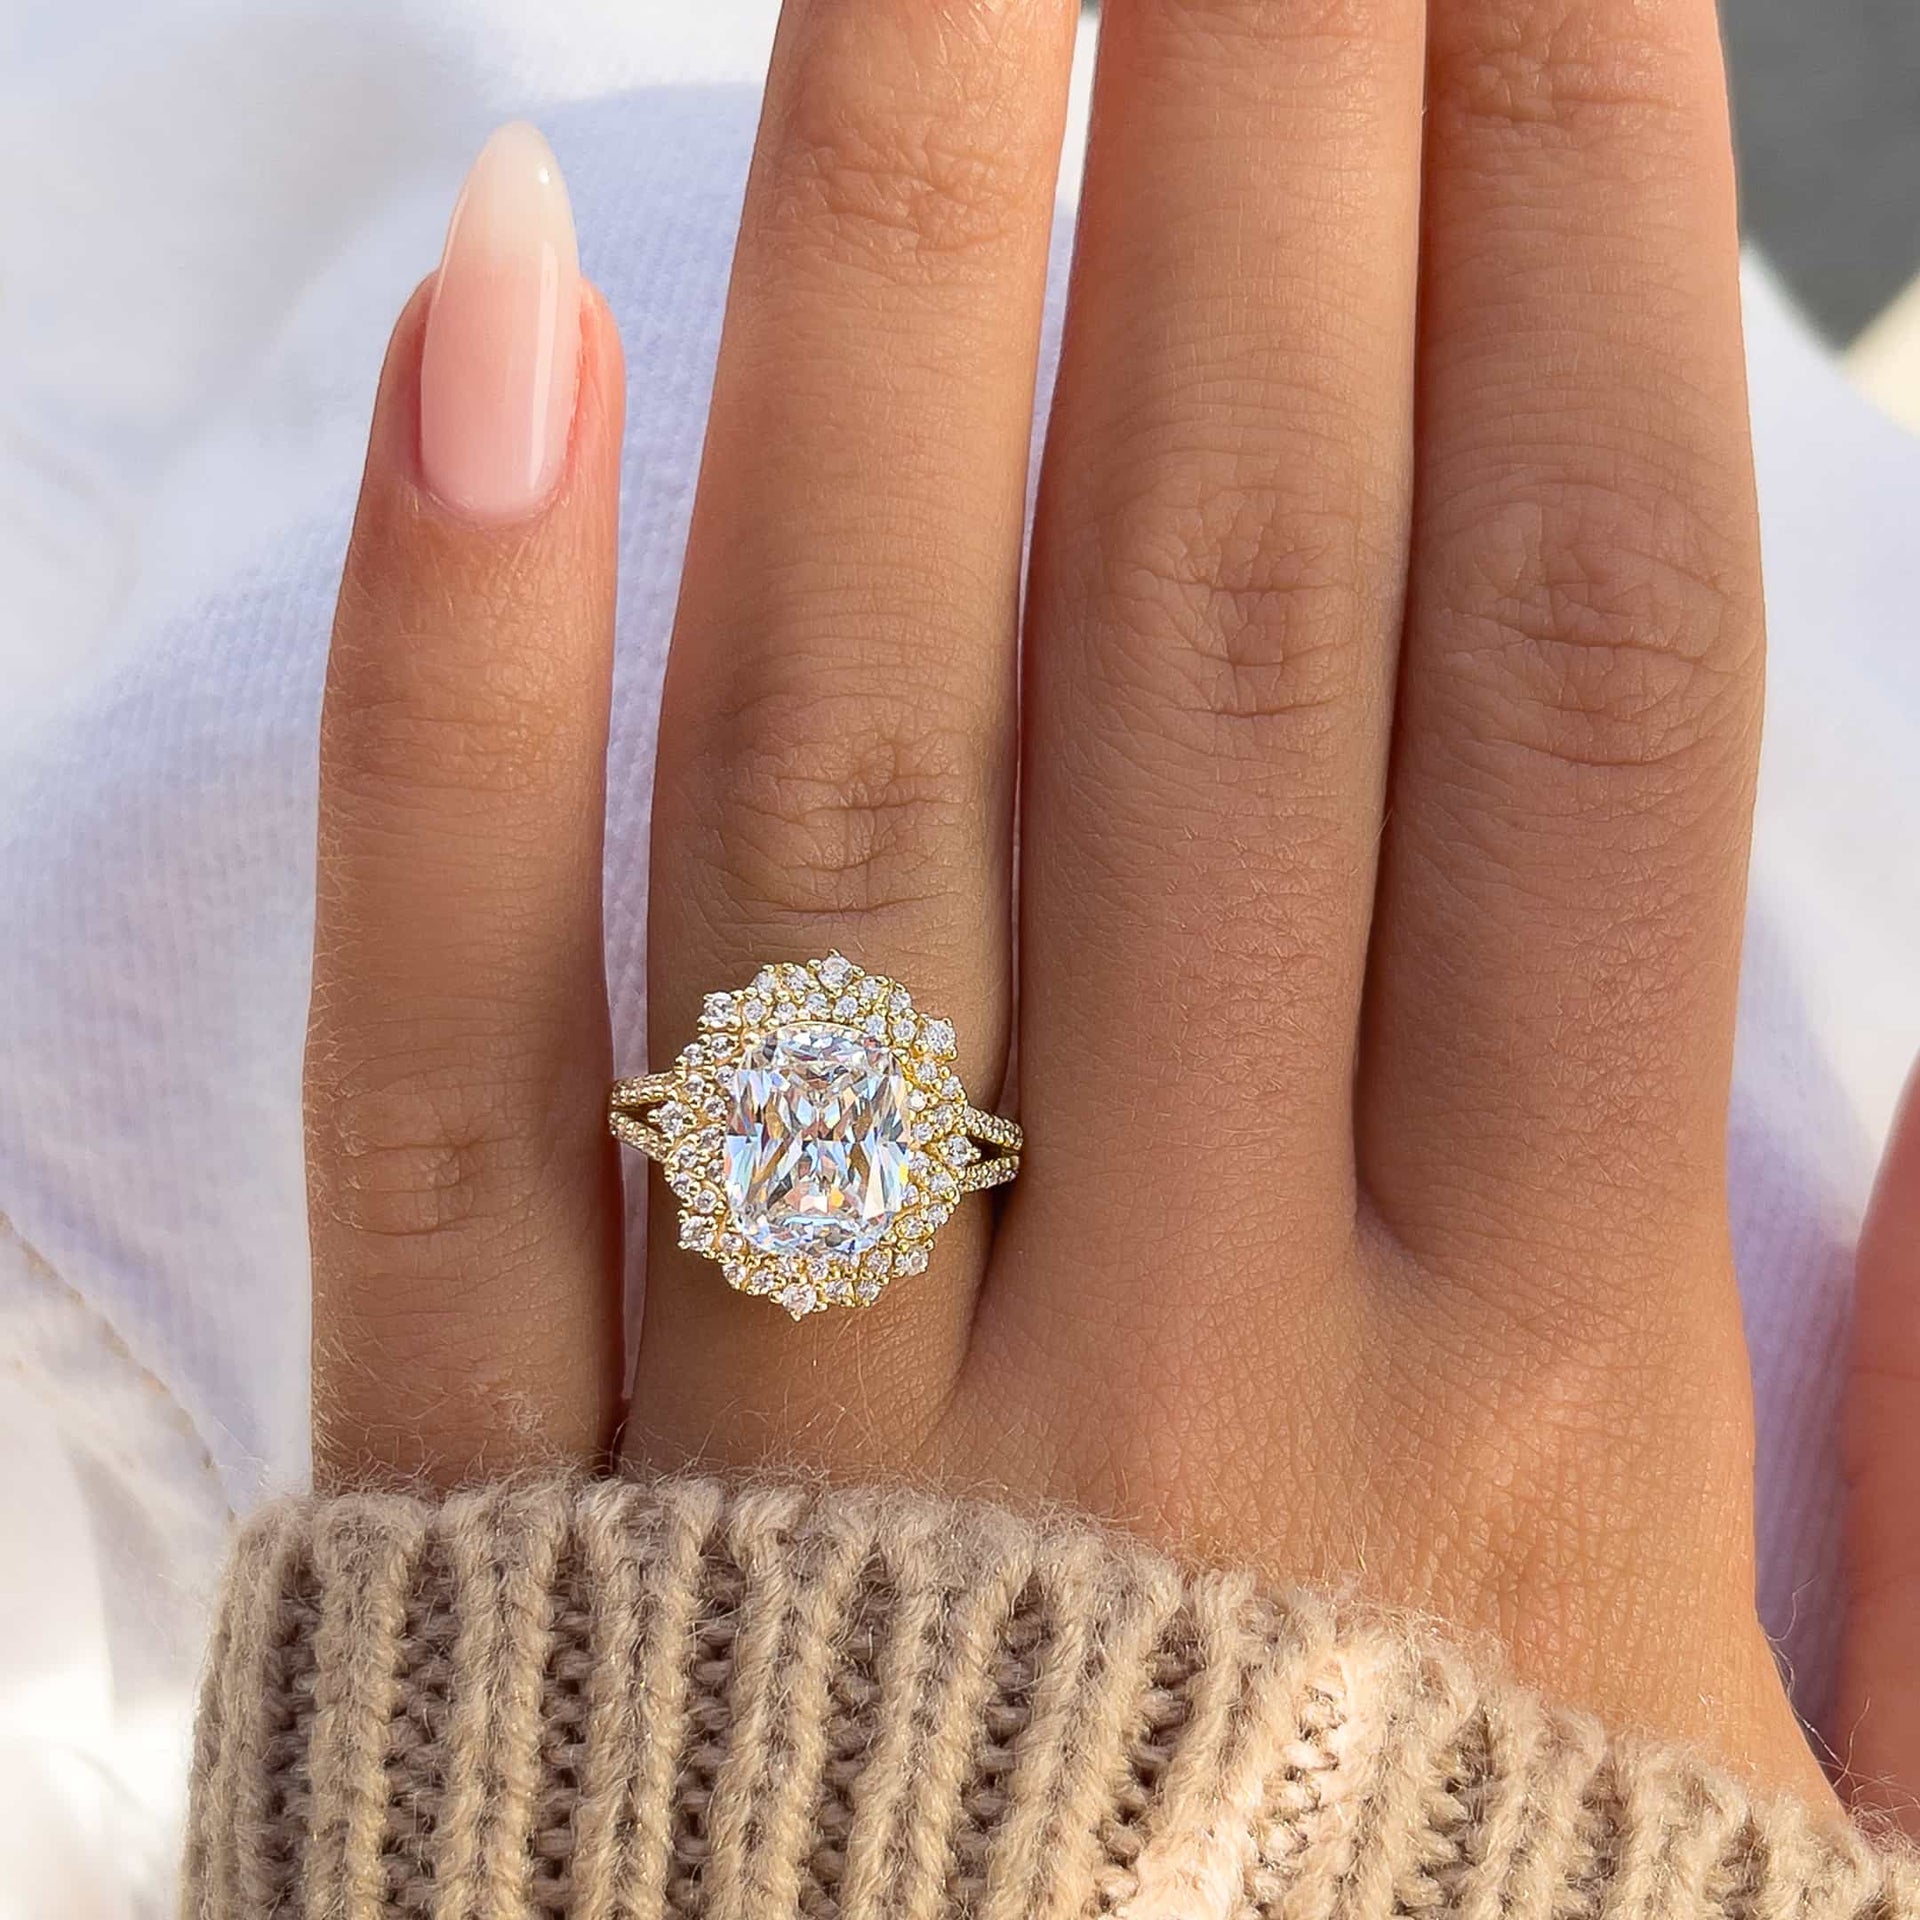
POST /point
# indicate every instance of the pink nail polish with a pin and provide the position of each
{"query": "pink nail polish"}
(500, 363)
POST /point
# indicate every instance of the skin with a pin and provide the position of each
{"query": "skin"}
(1392, 657)
(1879, 1712)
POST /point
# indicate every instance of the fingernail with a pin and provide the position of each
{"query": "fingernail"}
(500, 362)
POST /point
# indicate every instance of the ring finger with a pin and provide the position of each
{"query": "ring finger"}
(1218, 556)
(837, 735)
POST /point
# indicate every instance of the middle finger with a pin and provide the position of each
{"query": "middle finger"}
(836, 738)
(1215, 600)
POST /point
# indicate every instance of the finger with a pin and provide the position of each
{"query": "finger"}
(835, 764)
(1877, 1730)
(1557, 941)
(1214, 609)
(462, 1195)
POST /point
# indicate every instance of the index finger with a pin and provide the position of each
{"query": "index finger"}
(463, 1197)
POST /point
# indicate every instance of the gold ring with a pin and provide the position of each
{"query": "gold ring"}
(815, 1134)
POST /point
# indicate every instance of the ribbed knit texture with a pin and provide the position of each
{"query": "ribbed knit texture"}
(611, 1702)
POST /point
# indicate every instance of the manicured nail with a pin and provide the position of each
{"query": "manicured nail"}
(500, 362)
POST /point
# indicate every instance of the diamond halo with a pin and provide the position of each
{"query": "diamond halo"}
(815, 1134)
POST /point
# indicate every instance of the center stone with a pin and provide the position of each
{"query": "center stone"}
(817, 1141)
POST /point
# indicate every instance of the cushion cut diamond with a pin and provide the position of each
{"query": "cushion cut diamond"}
(818, 1137)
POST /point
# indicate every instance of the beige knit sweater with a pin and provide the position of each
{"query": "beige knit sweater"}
(612, 1702)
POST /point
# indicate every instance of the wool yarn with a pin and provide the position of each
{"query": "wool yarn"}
(619, 1701)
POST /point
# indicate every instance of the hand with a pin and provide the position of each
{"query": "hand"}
(1392, 673)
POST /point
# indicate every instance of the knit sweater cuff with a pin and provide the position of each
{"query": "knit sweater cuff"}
(614, 1702)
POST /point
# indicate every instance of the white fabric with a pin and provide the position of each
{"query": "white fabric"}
(211, 213)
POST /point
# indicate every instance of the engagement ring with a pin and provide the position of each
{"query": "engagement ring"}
(815, 1134)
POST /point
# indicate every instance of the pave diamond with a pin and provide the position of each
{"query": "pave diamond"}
(817, 1141)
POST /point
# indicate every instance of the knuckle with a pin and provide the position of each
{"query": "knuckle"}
(396, 754)
(1562, 71)
(1553, 1472)
(1603, 634)
(886, 199)
(833, 814)
(906, 196)
(416, 725)
(1239, 610)
(416, 1156)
